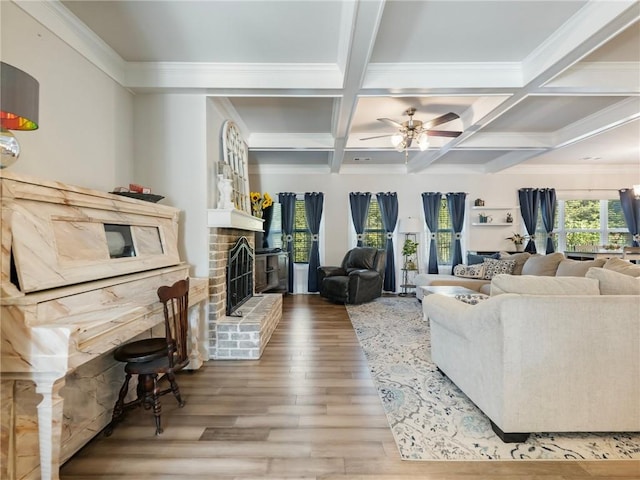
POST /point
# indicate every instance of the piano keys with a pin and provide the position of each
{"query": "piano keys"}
(78, 277)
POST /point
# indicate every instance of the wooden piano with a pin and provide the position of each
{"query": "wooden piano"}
(78, 276)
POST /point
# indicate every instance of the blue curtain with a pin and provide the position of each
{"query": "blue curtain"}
(631, 211)
(548, 211)
(388, 203)
(359, 209)
(288, 209)
(313, 211)
(455, 204)
(529, 209)
(431, 202)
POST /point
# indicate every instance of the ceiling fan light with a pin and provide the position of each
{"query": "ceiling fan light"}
(396, 140)
(401, 146)
(423, 141)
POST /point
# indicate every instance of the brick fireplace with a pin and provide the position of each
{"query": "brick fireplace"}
(236, 337)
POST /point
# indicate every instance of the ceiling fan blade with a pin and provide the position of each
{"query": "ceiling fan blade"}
(378, 136)
(393, 123)
(443, 133)
(447, 117)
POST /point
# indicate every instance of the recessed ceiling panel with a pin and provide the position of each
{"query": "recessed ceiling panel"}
(623, 48)
(548, 114)
(285, 114)
(216, 31)
(467, 31)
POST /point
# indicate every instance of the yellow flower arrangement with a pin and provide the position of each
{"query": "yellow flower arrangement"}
(259, 203)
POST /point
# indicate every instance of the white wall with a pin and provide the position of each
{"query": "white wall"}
(86, 119)
(494, 189)
(171, 158)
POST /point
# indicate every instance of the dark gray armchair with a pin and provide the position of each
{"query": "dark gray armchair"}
(359, 279)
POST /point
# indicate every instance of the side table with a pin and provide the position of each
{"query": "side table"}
(406, 285)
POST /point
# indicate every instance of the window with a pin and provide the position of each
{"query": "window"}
(374, 233)
(301, 235)
(444, 235)
(591, 222)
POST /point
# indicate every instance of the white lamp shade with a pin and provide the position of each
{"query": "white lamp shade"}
(423, 141)
(410, 225)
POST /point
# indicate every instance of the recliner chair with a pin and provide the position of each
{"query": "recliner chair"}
(359, 279)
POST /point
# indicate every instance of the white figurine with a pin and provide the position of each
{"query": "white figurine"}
(224, 193)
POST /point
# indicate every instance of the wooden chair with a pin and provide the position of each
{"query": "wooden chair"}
(145, 360)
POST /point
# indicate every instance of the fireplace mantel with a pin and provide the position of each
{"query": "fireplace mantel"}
(233, 218)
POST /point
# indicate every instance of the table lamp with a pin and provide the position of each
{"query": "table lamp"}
(19, 99)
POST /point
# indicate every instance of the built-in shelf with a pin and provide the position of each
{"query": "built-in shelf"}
(494, 224)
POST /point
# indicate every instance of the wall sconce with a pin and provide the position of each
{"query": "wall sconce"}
(19, 100)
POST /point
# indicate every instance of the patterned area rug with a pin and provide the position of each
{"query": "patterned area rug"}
(431, 418)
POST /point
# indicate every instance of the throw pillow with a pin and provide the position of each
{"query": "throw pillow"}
(623, 266)
(520, 259)
(576, 268)
(615, 283)
(469, 271)
(494, 267)
(543, 285)
(542, 265)
(473, 259)
(471, 299)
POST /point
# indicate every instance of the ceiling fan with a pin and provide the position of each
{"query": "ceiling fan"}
(417, 130)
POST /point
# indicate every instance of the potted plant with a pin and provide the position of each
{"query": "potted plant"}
(409, 249)
(518, 241)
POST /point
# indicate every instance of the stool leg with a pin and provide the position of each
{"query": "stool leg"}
(118, 409)
(175, 389)
(157, 408)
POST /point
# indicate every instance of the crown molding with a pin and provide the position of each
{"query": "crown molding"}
(289, 169)
(61, 22)
(444, 75)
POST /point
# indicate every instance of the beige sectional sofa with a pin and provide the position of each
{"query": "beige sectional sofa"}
(546, 354)
(554, 264)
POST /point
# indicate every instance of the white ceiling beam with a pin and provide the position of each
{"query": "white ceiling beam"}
(362, 39)
(576, 38)
(625, 111)
(598, 78)
(546, 63)
(233, 75)
(290, 141)
(511, 159)
(400, 76)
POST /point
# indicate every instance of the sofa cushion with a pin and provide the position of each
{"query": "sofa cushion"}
(520, 259)
(473, 259)
(576, 268)
(469, 271)
(542, 265)
(494, 267)
(615, 283)
(471, 298)
(622, 266)
(543, 285)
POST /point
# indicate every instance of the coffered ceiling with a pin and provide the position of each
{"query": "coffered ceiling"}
(538, 85)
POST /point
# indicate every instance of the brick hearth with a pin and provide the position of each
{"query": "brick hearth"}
(237, 337)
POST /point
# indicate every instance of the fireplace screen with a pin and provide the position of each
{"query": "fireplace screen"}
(239, 275)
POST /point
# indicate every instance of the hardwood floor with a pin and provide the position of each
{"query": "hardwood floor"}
(307, 409)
